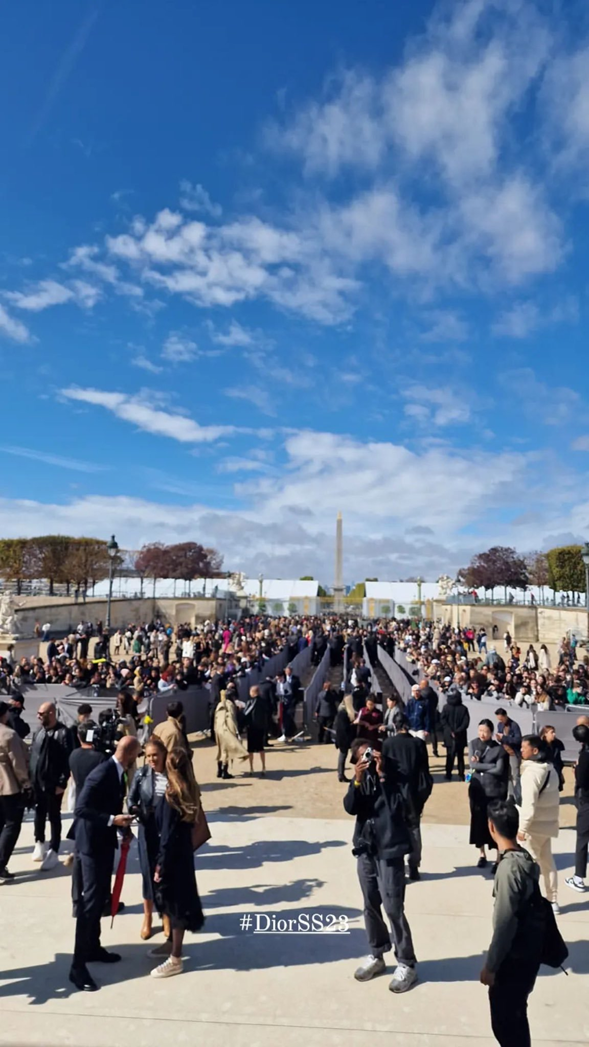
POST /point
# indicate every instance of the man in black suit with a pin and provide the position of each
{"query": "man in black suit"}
(407, 757)
(96, 819)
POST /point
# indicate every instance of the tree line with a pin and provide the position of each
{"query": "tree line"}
(78, 563)
(560, 569)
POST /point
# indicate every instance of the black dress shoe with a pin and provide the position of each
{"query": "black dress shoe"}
(82, 979)
(102, 956)
(414, 873)
(342, 778)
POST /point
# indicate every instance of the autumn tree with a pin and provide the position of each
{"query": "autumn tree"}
(55, 559)
(88, 562)
(18, 560)
(498, 566)
(153, 561)
(538, 573)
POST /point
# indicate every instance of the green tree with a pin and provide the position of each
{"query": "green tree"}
(385, 610)
(88, 562)
(358, 593)
(306, 578)
(400, 609)
(292, 607)
(566, 570)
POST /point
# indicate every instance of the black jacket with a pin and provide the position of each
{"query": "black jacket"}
(408, 756)
(582, 778)
(50, 754)
(15, 720)
(381, 828)
(492, 769)
(345, 730)
(455, 719)
(82, 763)
(101, 797)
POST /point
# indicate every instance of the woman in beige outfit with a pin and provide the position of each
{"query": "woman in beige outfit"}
(229, 744)
(538, 814)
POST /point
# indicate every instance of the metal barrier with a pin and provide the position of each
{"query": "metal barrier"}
(399, 676)
(312, 692)
(272, 667)
(374, 684)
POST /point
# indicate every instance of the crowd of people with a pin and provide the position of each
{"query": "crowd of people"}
(514, 780)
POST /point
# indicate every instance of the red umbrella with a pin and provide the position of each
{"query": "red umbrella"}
(120, 876)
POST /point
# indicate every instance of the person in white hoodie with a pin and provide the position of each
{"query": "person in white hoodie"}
(538, 814)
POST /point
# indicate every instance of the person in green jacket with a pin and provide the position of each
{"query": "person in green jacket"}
(575, 696)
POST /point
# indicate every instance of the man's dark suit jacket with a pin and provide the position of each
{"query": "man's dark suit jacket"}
(101, 797)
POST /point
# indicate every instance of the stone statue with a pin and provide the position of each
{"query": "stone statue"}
(445, 586)
(8, 607)
(236, 583)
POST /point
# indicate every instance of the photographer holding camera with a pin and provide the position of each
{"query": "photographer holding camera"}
(381, 841)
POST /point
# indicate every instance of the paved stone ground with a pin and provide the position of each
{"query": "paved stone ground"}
(280, 846)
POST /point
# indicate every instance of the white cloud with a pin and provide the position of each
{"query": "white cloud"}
(12, 328)
(255, 395)
(53, 459)
(196, 198)
(146, 416)
(444, 326)
(549, 404)
(242, 465)
(440, 406)
(179, 349)
(145, 364)
(43, 296)
(580, 444)
(519, 321)
(235, 335)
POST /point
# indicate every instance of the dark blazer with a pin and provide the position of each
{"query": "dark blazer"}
(101, 797)
(492, 768)
(455, 719)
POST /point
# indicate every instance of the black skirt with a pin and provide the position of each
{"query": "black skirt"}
(479, 828)
(148, 844)
(256, 737)
(176, 895)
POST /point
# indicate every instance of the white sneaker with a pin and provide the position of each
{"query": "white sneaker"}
(370, 966)
(576, 883)
(168, 968)
(403, 979)
(282, 738)
(555, 908)
(50, 860)
(40, 851)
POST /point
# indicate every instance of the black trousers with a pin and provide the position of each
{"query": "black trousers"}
(582, 841)
(322, 723)
(383, 884)
(341, 763)
(434, 737)
(453, 754)
(94, 875)
(48, 806)
(12, 809)
(509, 1005)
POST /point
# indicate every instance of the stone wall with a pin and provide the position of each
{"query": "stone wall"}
(63, 614)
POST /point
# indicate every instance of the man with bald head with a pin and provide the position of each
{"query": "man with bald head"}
(50, 770)
(96, 819)
(582, 721)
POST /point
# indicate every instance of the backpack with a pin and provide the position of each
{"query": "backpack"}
(554, 950)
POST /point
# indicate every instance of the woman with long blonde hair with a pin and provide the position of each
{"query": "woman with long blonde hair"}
(175, 883)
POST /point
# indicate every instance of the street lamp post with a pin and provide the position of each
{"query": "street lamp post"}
(112, 549)
(261, 594)
(585, 555)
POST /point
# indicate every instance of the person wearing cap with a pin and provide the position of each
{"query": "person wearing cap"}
(15, 789)
(15, 719)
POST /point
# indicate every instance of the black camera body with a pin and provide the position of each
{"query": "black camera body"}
(109, 732)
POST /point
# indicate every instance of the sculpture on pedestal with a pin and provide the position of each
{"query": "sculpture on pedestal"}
(8, 608)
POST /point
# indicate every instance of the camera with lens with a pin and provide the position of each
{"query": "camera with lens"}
(109, 732)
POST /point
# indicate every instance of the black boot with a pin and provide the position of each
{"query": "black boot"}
(219, 769)
(225, 773)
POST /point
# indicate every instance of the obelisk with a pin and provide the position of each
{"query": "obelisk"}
(338, 586)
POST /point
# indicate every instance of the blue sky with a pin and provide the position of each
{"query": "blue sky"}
(261, 262)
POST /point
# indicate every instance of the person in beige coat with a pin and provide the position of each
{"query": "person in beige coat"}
(229, 744)
(538, 814)
(170, 732)
(14, 786)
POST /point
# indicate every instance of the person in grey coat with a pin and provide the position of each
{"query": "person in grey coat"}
(489, 771)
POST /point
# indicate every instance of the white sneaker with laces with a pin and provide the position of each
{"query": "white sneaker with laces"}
(282, 738)
(555, 908)
(50, 860)
(168, 968)
(575, 883)
(403, 979)
(370, 966)
(40, 851)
